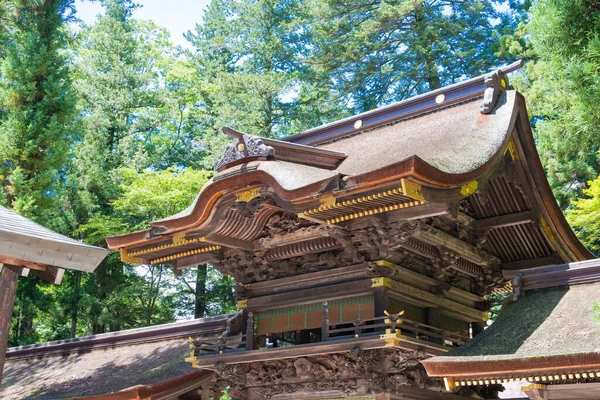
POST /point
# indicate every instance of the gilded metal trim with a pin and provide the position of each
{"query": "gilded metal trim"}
(247, 195)
(185, 254)
(330, 202)
(379, 282)
(128, 257)
(511, 149)
(547, 230)
(178, 240)
(374, 211)
(412, 189)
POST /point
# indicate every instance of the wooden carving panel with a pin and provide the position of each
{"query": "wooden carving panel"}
(347, 374)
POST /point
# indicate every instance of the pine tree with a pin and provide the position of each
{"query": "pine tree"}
(38, 104)
(38, 110)
(562, 88)
(376, 52)
(247, 56)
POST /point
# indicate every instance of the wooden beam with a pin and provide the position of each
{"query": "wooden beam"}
(465, 250)
(221, 240)
(51, 274)
(533, 263)
(21, 271)
(8, 287)
(22, 263)
(503, 221)
(24, 267)
(462, 312)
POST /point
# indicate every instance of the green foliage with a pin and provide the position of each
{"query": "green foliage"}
(496, 302)
(382, 51)
(130, 139)
(562, 89)
(584, 216)
(38, 108)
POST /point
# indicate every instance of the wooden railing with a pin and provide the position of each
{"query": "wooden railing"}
(227, 342)
(393, 322)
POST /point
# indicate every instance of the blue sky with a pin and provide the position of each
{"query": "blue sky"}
(178, 16)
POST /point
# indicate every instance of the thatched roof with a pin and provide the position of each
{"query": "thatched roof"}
(555, 330)
(102, 364)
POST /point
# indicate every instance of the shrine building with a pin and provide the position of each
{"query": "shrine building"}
(363, 252)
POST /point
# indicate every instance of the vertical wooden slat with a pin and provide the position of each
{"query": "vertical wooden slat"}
(325, 323)
(250, 332)
(8, 286)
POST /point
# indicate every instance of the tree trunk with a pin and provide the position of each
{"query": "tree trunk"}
(8, 286)
(200, 303)
(75, 306)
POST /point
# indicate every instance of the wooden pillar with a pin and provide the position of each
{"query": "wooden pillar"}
(380, 299)
(433, 319)
(250, 332)
(206, 391)
(325, 323)
(8, 287)
(433, 316)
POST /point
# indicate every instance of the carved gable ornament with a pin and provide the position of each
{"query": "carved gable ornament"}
(496, 82)
(244, 148)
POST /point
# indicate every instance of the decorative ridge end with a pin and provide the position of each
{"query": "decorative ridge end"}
(244, 146)
(496, 82)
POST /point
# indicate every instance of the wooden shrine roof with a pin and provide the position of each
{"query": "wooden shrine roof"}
(549, 334)
(118, 365)
(455, 140)
(26, 245)
(467, 147)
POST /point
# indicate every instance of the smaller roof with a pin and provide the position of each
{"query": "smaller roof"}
(99, 365)
(555, 330)
(23, 239)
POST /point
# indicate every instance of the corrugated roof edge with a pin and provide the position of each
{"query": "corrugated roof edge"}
(416, 105)
(173, 330)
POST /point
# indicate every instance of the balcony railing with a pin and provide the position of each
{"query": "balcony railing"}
(390, 323)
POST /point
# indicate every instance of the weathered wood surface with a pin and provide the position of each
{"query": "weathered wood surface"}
(8, 287)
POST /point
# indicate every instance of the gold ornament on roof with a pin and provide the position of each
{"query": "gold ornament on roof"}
(469, 188)
(247, 195)
(412, 190)
(511, 149)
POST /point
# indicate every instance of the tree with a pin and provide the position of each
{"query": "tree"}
(563, 87)
(584, 216)
(144, 294)
(37, 126)
(248, 57)
(118, 77)
(377, 52)
(38, 104)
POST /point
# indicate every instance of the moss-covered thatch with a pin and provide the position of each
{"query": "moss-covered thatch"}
(549, 322)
